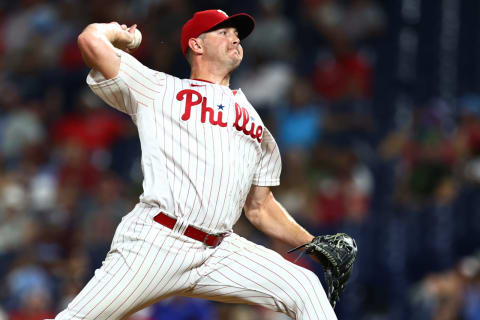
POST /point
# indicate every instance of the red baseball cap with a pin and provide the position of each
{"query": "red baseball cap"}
(203, 21)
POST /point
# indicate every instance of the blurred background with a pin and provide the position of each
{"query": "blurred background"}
(375, 106)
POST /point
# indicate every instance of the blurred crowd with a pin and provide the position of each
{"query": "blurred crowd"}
(402, 178)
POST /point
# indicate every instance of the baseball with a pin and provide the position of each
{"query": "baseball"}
(137, 39)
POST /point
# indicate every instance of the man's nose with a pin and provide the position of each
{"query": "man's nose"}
(235, 39)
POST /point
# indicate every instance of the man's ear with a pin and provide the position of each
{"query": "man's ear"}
(196, 45)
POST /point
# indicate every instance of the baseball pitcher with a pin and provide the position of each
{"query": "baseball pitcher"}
(206, 155)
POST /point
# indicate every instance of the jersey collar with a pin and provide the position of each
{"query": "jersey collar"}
(234, 91)
(196, 79)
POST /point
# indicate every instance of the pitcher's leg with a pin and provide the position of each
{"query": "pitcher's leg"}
(242, 272)
(137, 272)
(96, 300)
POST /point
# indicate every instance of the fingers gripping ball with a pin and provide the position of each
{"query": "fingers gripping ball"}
(336, 253)
(137, 39)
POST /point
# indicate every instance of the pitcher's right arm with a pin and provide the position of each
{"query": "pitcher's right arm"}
(97, 42)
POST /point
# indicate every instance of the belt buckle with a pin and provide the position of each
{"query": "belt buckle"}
(205, 239)
(218, 235)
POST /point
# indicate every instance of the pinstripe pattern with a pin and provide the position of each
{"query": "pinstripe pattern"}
(149, 263)
(242, 272)
(203, 146)
(194, 157)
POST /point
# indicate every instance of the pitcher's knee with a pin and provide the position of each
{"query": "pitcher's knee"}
(308, 283)
(309, 294)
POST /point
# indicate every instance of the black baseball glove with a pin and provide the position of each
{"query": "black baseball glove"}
(336, 253)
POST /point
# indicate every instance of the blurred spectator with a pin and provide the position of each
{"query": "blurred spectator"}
(71, 21)
(364, 19)
(273, 36)
(163, 26)
(343, 78)
(20, 128)
(104, 210)
(180, 308)
(467, 138)
(470, 268)
(34, 305)
(58, 232)
(72, 274)
(15, 222)
(427, 156)
(344, 187)
(93, 126)
(265, 82)
(295, 192)
(443, 294)
(453, 294)
(32, 19)
(16, 226)
(344, 74)
(356, 19)
(101, 215)
(76, 169)
(299, 121)
(26, 278)
(183, 309)
(43, 192)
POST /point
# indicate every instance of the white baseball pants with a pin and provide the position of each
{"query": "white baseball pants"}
(149, 262)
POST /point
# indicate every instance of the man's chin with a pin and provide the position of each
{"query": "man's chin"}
(234, 63)
(236, 60)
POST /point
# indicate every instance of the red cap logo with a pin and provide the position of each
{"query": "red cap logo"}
(207, 20)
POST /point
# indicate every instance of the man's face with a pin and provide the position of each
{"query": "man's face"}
(223, 46)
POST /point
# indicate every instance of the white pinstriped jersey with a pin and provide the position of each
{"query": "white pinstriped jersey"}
(203, 145)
